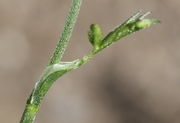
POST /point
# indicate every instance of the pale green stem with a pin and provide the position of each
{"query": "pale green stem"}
(66, 34)
(47, 78)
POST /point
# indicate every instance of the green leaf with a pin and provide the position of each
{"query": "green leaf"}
(95, 35)
(133, 24)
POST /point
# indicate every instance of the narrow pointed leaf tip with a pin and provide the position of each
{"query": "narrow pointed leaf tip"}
(131, 25)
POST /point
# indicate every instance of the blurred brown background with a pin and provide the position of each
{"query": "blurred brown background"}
(136, 80)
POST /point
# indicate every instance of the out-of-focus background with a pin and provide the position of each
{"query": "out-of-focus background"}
(136, 80)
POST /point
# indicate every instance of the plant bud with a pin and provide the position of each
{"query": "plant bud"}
(95, 35)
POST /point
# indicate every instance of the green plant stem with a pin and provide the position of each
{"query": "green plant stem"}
(66, 34)
(54, 70)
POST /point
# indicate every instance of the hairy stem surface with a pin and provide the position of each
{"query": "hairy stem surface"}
(66, 34)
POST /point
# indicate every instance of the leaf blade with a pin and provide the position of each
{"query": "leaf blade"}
(131, 25)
